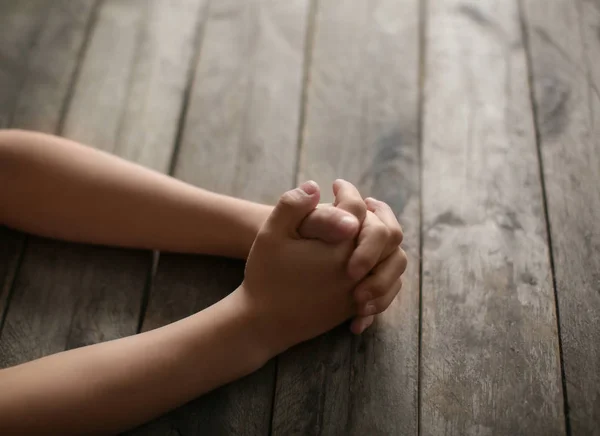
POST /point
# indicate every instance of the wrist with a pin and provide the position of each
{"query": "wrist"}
(225, 226)
(255, 216)
(252, 331)
(263, 338)
(259, 215)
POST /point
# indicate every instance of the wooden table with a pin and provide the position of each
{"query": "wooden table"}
(476, 120)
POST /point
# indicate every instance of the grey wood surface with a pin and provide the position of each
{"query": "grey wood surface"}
(239, 138)
(248, 98)
(20, 24)
(137, 98)
(11, 249)
(33, 94)
(69, 295)
(362, 125)
(565, 53)
(490, 359)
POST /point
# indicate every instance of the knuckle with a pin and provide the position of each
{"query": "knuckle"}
(288, 199)
(364, 262)
(383, 231)
(384, 303)
(396, 235)
(387, 207)
(378, 289)
(380, 306)
(371, 204)
(358, 208)
(399, 267)
(376, 202)
(403, 260)
(397, 287)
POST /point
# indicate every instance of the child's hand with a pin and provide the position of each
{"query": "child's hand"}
(378, 289)
(378, 259)
(299, 287)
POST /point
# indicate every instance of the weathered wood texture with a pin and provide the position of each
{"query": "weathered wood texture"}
(137, 97)
(361, 124)
(20, 24)
(11, 249)
(239, 139)
(490, 358)
(115, 74)
(565, 52)
(40, 45)
(69, 295)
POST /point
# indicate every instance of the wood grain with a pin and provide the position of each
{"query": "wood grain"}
(362, 125)
(137, 97)
(490, 358)
(69, 295)
(239, 139)
(241, 129)
(51, 69)
(565, 49)
(20, 26)
(33, 87)
(11, 250)
(21, 23)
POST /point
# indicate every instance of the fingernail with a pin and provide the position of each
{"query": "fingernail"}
(348, 222)
(309, 187)
(370, 201)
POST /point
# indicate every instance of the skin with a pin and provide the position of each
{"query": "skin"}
(88, 196)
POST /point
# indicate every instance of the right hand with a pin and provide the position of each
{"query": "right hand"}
(377, 260)
(298, 287)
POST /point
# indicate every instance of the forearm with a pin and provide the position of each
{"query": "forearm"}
(57, 188)
(106, 388)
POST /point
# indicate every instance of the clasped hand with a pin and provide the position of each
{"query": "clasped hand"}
(313, 266)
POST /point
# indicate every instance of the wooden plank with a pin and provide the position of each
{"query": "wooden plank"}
(11, 249)
(490, 358)
(239, 139)
(20, 25)
(52, 66)
(564, 50)
(361, 124)
(137, 97)
(230, 130)
(34, 87)
(69, 295)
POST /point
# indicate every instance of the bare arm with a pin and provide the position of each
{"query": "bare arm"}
(108, 387)
(294, 289)
(54, 187)
(57, 188)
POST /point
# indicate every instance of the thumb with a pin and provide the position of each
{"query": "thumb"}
(349, 199)
(329, 224)
(292, 207)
